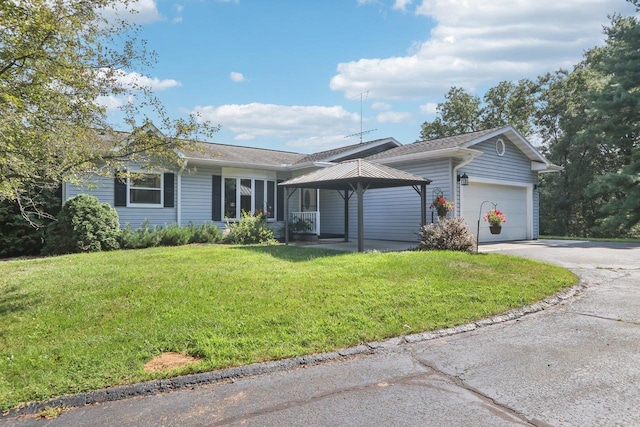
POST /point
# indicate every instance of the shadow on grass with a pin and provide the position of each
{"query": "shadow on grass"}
(11, 301)
(292, 253)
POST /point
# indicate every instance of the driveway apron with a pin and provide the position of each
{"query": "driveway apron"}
(573, 364)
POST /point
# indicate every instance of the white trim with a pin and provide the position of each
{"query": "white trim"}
(254, 208)
(131, 204)
(434, 154)
(456, 184)
(178, 189)
(501, 147)
(526, 185)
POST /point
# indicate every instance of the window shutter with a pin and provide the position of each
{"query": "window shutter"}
(280, 202)
(120, 191)
(169, 189)
(216, 198)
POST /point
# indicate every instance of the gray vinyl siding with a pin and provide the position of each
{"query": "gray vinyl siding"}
(331, 212)
(513, 166)
(102, 188)
(95, 185)
(197, 193)
(389, 213)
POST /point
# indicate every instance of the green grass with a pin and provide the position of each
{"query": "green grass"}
(80, 322)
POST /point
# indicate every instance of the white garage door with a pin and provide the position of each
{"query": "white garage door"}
(511, 200)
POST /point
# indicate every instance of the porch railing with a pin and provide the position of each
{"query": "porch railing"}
(312, 218)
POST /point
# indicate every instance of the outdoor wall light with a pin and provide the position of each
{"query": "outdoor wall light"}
(463, 179)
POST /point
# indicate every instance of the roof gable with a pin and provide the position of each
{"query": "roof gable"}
(463, 145)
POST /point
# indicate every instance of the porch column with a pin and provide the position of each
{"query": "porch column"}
(360, 217)
(346, 215)
(286, 215)
(423, 204)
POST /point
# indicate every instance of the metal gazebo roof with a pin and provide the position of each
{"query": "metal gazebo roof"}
(343, 176)
(357, 176)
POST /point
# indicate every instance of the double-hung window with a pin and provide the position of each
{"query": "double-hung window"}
(145, 189)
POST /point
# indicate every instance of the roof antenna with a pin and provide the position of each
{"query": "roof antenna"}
(361, 131)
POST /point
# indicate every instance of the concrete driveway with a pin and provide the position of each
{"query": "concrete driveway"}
(574, 364)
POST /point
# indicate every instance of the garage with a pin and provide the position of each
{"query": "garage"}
(513, 200)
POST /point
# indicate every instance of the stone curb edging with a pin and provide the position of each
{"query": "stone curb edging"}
(184, 382)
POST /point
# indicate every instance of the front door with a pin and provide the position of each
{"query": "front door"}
(309, 200)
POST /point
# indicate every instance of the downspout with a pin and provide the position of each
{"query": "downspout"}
(455, 182)
(179, 202)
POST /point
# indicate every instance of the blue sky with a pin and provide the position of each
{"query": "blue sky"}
(290, 74)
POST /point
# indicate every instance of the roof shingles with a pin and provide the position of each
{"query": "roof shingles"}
(431, 145)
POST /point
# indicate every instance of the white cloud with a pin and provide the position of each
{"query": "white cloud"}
(380, 106)
(133, 80)
(236, 77)
(429, 108)
(402, 4)
(178, 9)
(481, 42)
(393, 117)
(293, 124)
(138, 12)
(113, 103)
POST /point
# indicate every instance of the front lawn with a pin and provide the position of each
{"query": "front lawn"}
(80, 322)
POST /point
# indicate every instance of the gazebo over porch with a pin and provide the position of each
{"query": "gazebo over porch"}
(356, 177)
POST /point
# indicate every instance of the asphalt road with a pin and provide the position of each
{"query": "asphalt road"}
(573, 364)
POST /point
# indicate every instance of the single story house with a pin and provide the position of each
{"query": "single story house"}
(220, 181)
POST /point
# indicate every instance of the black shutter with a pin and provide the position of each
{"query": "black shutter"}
(169, 189)
(216, 198)
(280, 202)
(120, 190)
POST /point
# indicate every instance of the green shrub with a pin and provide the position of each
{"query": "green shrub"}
(19, 237)
(175, 235)
(450, 234)
(147, 236)
(83, 225)
(205, 233)
(143, 237)
(250, 230)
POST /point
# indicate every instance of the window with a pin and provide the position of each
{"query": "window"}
(145, 189)
(248, 195)
(500, 147)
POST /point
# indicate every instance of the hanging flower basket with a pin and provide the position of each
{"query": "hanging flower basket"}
(442, 206)
(495, 218)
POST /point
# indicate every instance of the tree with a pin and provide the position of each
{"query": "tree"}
(618, 105)
(58, 59)
(510, 104)
(505, 104)
(458, 114)
(560, 120)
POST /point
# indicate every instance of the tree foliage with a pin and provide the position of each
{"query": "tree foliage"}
(59, 61)
(618, 107)
(506, 104)
(588, 120)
